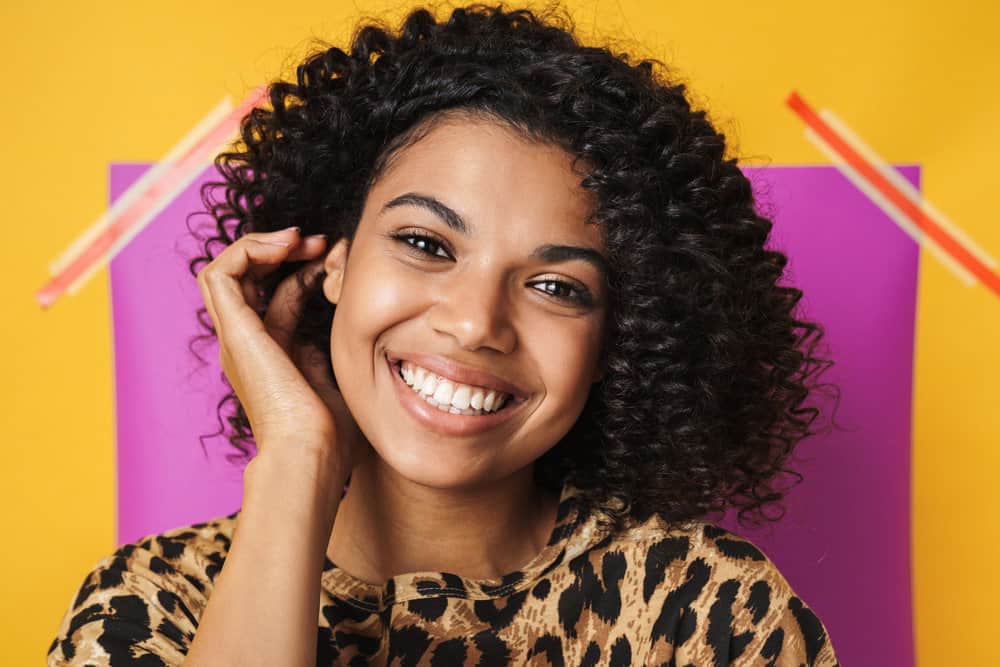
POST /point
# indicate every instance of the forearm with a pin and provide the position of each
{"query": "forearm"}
(265, 603)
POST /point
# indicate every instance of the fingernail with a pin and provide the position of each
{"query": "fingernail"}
(296, 228)
(318, 236)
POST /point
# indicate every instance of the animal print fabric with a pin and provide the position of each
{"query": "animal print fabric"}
(693, 594)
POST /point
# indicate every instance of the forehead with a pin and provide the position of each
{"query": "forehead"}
(492, 175)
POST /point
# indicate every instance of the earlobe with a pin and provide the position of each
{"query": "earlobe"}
(334, 265)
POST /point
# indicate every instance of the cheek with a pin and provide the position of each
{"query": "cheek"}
(568, 358)
(373, 300)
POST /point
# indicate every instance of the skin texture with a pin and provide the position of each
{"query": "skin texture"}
(420, 499)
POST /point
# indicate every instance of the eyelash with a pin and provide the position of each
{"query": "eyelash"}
(583, 297)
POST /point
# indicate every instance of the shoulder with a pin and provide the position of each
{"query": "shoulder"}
(710, 596)
(145, 598)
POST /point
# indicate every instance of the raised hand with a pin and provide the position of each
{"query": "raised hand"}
(293, 408)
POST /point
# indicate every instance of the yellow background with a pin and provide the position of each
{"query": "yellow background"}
(86, 85)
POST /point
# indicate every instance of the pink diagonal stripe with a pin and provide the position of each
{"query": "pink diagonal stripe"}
(97, 250)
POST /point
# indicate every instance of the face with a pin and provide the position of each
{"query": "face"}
(471, 265)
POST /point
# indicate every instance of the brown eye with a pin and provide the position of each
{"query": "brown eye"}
(426, 245)
(564, 291)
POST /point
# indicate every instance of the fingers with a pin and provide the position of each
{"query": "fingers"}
(228, 283)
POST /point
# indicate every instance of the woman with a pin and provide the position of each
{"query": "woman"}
(509, 291)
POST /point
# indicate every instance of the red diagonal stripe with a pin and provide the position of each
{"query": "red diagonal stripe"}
(890, 192)
(150, 197)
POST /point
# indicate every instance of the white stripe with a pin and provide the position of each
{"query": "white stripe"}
(134, 191)
(891, 210)
(185, 179)
(907, 189)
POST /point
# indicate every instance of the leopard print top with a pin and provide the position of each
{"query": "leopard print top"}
(649, 595)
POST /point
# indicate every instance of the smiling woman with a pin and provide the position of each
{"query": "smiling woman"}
(508, 290)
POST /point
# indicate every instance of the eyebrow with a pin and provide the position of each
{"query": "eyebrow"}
(546, 253)
(435, 206)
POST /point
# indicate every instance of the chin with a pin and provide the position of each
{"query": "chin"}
(424, 465)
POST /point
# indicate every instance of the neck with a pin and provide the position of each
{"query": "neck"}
(387, 525)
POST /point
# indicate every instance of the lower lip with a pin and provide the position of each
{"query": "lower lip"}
(445, 422)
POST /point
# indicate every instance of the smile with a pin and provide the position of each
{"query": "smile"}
(443, 405)
(450, 396)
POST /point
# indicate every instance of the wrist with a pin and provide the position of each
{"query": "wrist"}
(306, 481)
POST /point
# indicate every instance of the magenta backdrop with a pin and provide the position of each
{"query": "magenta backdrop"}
(844, 543)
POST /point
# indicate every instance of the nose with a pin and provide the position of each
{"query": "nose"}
(476, 313)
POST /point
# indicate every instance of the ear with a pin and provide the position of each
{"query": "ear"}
(334, 265)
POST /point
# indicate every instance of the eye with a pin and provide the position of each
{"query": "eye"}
(567, 292)
(423, 244)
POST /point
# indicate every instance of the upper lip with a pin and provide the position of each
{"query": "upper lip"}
(458, 372)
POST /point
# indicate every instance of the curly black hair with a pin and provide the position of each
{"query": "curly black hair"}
(708, 367)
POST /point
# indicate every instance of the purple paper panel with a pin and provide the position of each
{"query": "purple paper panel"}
(165, 398)
(844, 543)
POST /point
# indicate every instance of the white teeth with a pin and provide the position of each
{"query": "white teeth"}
(460, 399)
(447, 396)
(443, 393)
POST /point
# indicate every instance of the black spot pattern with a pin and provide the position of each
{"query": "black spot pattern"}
(367, 646)
(408, 644)
(720, 620)
(621, 652)
(196, 582)
(687, 626)
(591, 655)
(739, 549)
(812, 629)
(658, 558)
(541, 589)
(171, 548)
(85, 591)
(678, 599)
(550, 647)
(506, 582)
(143, 603)
(495, 653)
(171, 632)
(500, 617)
(159, 566)
(738, 643)
(68, 649)
(326, 647)
(759, 600)
(126, 625)
(588, 592)
(448, 653)
(86, 615)
(430, 609)
(215, 565)
(772, 645)
(339, 611)
(110, 578)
